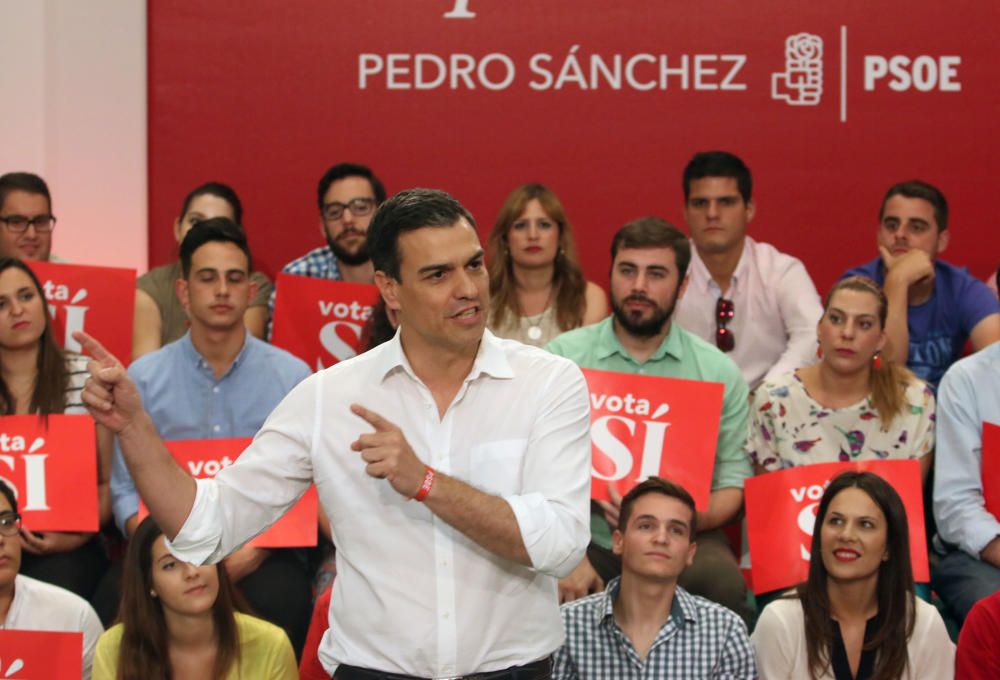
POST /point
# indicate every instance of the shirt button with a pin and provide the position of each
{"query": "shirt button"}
(216, 428)
(216, 389)
(642, 370)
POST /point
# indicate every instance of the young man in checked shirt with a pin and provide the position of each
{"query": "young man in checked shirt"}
(644, 625)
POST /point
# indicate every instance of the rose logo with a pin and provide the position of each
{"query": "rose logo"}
(803, 47)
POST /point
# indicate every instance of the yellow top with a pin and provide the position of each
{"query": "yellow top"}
(265, 652)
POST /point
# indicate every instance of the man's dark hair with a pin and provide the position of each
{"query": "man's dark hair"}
(343, 170)
(217, 229)
(219, 190)
(8, 493)
(914, 188)
(407, 211)
(718, 164)
(661, 486)
(654, 232)
(23, 181)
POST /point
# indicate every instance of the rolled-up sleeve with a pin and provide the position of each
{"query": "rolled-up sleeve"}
(800, 310)
(269, 477)
(959, 509)
(124, 497)
(552, 511)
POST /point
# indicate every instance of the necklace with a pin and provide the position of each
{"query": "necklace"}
(535, 323)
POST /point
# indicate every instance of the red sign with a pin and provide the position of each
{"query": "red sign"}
(52, 470)
(642, 426)
(781, 511)
(40, 655)
(991, 468)
(98, 300)
(319, 320)
(204, 458)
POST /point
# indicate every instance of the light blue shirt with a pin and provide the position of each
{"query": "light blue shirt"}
(186, 401)
(968, 395)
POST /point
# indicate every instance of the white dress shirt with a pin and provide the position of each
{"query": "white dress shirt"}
(412, 594)
(43, 606)
(776, 311)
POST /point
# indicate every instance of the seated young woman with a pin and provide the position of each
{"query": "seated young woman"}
(851, 405)
(537, 289)
(856, 617)
(37, 377)
(159, 317)
(179, 620)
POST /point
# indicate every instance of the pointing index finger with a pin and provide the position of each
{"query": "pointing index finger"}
(95, 349)
(375, 420)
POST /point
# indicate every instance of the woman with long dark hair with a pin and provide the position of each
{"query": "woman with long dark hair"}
(537, 288)
(159, 317)
(178, 620)
(37, 377)
(856, 617)
(854, 404)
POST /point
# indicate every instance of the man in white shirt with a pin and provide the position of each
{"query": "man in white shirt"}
(491, 437)
(27, 604)
(755, 303)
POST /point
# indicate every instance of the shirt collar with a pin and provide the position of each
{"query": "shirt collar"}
(682, 609)
(192, 354)
(490, 359)
(704, 282)
(608, 344)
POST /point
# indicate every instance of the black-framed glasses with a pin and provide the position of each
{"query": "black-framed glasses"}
(359, 207)
(724, 313)
(18, 224)
(10, 523)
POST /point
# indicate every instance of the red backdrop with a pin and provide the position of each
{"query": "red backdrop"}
(267, 96)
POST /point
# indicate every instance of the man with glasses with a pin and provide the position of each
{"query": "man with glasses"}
(26, 219)
(649, 261)
(27, 604)
(347, 196)
(755, 303)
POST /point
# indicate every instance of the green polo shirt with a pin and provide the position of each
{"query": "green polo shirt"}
(681, 355)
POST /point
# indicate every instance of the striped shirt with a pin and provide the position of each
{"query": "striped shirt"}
(701, 639)
(76, 367)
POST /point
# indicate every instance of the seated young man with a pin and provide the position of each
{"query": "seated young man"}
(644, 624)
(27, 604)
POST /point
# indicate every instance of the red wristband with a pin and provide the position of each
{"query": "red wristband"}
(425, 486)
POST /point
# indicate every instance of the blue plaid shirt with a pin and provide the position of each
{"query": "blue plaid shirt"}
(319, 263)
(701, 639)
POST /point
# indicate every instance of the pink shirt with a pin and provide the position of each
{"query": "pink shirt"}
(777, 309)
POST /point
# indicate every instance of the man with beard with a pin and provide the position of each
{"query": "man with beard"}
(347, 196)
(649, 259)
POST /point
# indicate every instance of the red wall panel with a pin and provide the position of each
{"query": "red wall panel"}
(266, 96)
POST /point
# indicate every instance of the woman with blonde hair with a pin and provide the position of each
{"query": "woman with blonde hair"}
(537, 288)
(853, 404)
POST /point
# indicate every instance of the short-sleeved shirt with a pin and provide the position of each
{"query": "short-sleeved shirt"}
(264, 652)
(940, 327)
(680, 355)
(160, 284)
(43, 606)
(701, 639)
(789, 428)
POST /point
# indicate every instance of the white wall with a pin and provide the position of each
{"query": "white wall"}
(73, 86)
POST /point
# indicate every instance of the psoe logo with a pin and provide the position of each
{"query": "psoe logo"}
(801, 83)
(460, 11)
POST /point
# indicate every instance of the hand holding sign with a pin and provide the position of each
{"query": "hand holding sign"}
(109, 393)
(388, 454)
